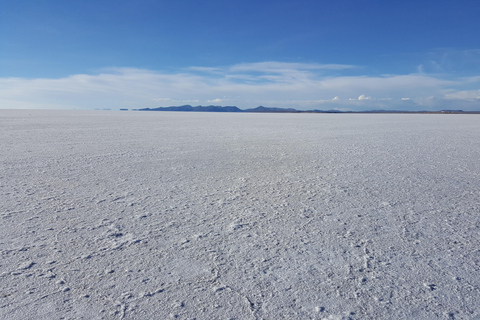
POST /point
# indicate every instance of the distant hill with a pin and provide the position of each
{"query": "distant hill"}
(262, 109)
(217, 109)
(195, 109)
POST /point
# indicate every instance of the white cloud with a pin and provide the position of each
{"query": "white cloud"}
(464, 95)
(363, 97)
(215, 101)
(405, 99)
(274, 84)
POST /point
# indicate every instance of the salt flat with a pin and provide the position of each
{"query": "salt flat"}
(151, 215)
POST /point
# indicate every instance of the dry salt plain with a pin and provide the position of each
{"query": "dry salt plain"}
(156, 215)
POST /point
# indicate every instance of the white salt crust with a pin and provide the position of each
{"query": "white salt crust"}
(157, 215)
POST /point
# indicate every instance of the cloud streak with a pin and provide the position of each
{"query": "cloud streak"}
(246, 85)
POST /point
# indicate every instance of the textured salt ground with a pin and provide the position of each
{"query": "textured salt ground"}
(145, 215)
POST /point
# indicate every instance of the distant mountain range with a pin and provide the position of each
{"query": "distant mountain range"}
(195, 109)
(261, 109)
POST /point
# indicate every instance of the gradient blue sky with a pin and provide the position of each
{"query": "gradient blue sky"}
(347, 55)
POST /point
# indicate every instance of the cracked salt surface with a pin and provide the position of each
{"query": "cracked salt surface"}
(146, 215)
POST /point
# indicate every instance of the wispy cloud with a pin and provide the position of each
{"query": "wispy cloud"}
(451, 60)
(215, 101)
(282, 67)
(246, 85)
(465, 95)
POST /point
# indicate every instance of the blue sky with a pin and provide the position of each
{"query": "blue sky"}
(346, 55)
